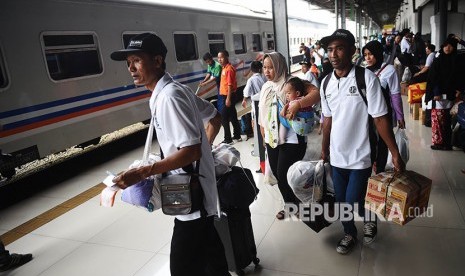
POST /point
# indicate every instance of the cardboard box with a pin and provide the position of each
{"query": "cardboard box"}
(415, 92)
(415, 111)
(422, 116)
(398, 198)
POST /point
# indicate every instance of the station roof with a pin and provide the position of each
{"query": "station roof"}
(382, 12)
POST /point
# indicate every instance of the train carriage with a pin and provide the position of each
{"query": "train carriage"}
(59, 87)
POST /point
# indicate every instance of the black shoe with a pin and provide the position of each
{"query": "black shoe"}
(440, 147)
(346, 244)
(239, 139)
(229, 142)
(369, 232)
(15, 261)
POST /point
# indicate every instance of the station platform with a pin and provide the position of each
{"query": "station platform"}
(69, 233)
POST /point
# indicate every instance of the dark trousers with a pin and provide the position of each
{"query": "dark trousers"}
(246, 124)
(229, 115)
(281, 159)
(196, 249)
(4, 254)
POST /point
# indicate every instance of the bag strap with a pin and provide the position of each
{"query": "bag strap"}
(148, 142)
(380, 70)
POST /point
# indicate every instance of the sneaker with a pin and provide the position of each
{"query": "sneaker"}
(229, 142)
(369, 232)
(15, 261)
(237, 139)
(346, 244)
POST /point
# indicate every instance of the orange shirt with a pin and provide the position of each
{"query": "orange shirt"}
(228, 77)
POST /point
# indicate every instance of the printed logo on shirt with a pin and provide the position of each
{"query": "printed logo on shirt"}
(352, 91)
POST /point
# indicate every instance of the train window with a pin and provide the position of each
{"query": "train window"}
(269, 41)
(185, 46)
(71, 56)
(257, 43)
(216, 43)
(3, 75)
(239, 44)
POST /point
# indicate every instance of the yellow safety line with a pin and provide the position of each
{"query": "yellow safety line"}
(47, 216)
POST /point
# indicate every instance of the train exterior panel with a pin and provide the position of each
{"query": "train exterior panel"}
(59, 87)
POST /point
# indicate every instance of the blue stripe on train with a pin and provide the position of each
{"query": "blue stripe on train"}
(70, 110)
(37, 107)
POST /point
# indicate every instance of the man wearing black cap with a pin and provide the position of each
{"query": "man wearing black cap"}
(178, 120)
(346, 140)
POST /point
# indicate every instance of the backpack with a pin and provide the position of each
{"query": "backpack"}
(361, 86)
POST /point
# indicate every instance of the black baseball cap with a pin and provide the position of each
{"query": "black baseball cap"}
(305, 62)
(339, 34)
(146, 42)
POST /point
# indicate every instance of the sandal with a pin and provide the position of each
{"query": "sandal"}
(280, 215)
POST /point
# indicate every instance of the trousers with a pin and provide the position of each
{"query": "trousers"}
(196, 249)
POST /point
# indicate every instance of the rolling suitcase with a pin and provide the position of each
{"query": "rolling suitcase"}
(235, 230)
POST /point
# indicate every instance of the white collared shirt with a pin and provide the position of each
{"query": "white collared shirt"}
(179, 122)
(349, 140)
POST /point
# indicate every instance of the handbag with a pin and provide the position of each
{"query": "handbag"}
(145, 193)
(181, 194)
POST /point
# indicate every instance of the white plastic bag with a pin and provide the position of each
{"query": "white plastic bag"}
(318, 184)
(269, 178)
(224, 157)
(402, 144)
(300, 178)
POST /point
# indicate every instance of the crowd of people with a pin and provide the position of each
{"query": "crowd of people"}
(355, 103)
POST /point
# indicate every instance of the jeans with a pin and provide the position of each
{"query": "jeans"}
(196, 249)
(350, 187)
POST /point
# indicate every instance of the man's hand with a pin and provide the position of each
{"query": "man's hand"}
(399, 165)
(244, 103)
(228, 102)
(132, 176)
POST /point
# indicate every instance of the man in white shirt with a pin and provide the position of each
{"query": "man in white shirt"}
(179, 118)
(307, 74)
(346, 140)
(318, 53)
(405, 44)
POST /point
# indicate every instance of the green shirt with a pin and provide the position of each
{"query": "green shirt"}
(214, 70)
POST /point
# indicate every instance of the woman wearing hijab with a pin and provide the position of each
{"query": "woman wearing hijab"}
(373, 54)
(444, 80)
(283, 145)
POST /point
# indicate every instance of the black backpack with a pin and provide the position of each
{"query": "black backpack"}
(361, 86)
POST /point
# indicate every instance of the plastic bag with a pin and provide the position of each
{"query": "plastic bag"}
(146, 193)
(300, 178)
(318, 185)
(224, 157)
(269, 178)
(402, 144)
